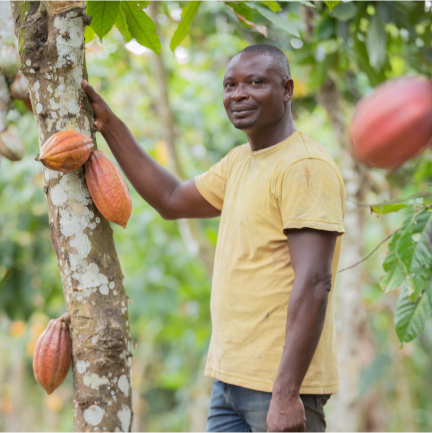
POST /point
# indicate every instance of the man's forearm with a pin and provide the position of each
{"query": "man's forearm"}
(305, 321)
(153, 182)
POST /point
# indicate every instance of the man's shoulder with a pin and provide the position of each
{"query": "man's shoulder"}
(308, 149)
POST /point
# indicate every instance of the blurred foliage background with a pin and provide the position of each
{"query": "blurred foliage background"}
(166, 266)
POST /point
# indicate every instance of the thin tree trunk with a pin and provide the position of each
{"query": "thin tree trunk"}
(6, 31)
(190, 230)
(51, 46)
(350, 317)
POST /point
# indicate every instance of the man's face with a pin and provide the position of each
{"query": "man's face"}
(255, 93)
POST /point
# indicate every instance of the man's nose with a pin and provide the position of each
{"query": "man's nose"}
(239, 93)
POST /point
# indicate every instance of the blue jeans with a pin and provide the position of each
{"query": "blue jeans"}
(237, 409)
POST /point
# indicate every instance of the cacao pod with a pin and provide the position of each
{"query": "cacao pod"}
(108, 189)
(9, 61)
(66, 151)
(19, 88)
(52, 355)
(11, 146)
(393, 124)
(27, 103)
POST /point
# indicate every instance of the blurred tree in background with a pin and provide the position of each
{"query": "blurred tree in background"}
(338, 57)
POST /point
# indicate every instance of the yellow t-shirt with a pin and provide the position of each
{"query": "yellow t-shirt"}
(293, 184)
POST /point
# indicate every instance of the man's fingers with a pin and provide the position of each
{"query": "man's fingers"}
(89, 90)
(99, 125)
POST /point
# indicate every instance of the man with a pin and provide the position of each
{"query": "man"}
(281, 200)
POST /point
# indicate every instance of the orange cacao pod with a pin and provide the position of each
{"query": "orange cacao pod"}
(11, 146)
(52, 355)
(108, 189)
(393, 124)
(66, 151)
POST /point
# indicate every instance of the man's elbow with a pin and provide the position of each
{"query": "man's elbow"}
(322, 284)
(169, 216)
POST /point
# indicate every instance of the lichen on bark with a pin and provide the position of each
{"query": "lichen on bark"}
(51, 47)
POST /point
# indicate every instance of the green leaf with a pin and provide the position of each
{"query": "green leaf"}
(141, 26)
(303, 2)
(273, 6)
(410, 317)
(386, 11)
(243, 10)
(140, 5)
(376, 43)
(122, 26)
(261, 29)
(383, 209)
(396, 205)
(325, 29)
(187, 17)
(410, 255)
(331, 5)
(345, 11)
(104, 15)
(275, 19)
(89, 34)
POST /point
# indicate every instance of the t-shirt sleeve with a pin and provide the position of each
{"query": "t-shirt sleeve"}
(212, 183)
(311, 194)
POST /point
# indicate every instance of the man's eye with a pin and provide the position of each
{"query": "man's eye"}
(229, 85)
(256, 82)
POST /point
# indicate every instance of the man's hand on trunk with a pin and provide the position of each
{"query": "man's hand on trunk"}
(102, 112)
(286, 413)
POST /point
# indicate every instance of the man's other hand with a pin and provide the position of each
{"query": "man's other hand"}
(101, 110)
(286, 414)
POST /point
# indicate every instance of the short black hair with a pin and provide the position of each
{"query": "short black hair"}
(277, 54)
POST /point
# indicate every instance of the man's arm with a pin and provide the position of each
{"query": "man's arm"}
(156, 185)
(311, 254)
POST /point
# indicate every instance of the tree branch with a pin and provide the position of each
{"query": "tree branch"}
(361, 261)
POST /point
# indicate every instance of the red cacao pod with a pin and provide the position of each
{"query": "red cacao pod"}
(52, 355)
(11, 146)
(393, 124)
(108, 189)
(66, 151)
(9, 61)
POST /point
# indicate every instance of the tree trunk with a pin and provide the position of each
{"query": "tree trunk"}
(6, 31)
(51, 47)
(350, 317)
(190, 230)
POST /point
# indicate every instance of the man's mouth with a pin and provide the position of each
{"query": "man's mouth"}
(240, 110)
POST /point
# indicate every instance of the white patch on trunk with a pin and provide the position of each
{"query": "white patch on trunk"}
(123, 384)
(93, 415)
(90, 278)
(51, 174)
(94, 381)
(58, 195)
(125, 416)
(81, 367)
(104, 289)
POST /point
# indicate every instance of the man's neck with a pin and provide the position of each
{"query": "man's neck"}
(270, 136)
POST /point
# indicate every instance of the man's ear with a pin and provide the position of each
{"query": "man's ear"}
(289, 89)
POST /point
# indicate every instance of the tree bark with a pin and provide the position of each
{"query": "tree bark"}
(350, 317)
(51, 47)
